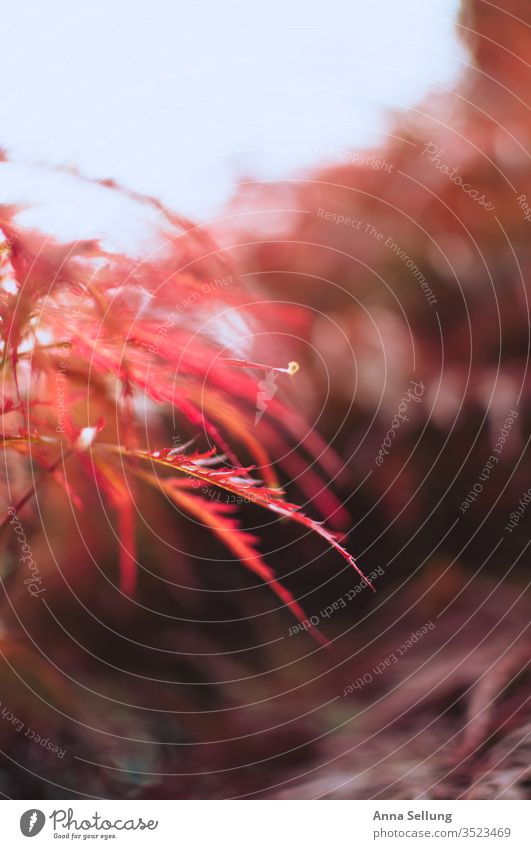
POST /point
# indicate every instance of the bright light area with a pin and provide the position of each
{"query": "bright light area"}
(183, 99)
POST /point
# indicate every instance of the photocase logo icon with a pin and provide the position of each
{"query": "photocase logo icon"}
(266, 391)
(268, 387)
(31, 822)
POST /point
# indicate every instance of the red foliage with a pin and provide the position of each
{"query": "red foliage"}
(98, 346)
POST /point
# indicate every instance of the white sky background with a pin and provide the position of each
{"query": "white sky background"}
(182, 98)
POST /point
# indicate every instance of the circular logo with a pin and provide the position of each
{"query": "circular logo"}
(31, 822)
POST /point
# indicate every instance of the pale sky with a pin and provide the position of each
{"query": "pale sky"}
(182, 98)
